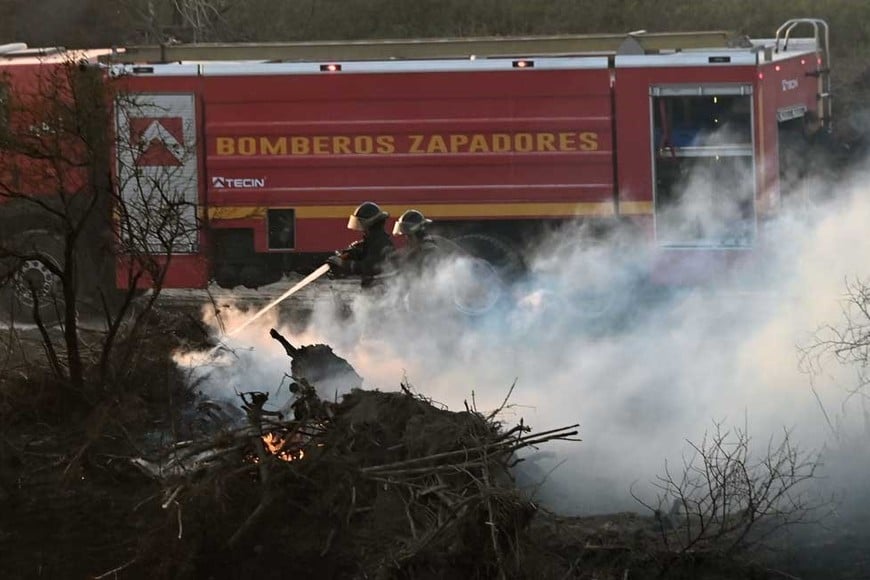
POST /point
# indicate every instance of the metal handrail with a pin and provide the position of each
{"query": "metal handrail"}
(822, 36)
(819, 25)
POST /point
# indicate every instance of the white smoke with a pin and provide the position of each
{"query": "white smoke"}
(640, 371)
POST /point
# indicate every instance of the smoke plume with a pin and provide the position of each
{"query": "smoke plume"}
(585, 341)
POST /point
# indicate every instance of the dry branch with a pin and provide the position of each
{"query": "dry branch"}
(376, 466)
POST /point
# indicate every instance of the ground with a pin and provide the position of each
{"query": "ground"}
(74, 504)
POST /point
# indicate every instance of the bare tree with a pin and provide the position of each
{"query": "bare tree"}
(201, 17)
(146, 21)
(67, 215)
(54, 154)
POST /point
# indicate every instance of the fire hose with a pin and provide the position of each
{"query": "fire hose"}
(296, 288)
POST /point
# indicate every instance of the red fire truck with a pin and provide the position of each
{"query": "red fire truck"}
(272, 146)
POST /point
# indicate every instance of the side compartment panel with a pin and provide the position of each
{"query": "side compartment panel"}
(157, 171)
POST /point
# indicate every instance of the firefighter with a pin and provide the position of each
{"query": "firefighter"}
(367, 257)
(420, 246)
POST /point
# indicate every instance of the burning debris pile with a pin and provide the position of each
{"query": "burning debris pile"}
(371, 485)
(374, 485)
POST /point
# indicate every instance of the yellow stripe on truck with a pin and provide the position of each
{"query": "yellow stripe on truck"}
(471, 210)
(236, 212)
(635, 208)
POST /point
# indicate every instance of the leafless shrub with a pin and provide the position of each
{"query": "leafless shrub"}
(725, 500)
(847, 342)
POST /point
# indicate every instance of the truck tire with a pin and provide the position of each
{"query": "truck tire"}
(490, 265)
(479, 288)
(26, 280)
(500, 254)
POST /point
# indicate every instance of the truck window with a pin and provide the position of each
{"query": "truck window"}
(704, 167)
(282, 229)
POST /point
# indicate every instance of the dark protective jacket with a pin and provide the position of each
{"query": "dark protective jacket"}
(421, 250)
(367, 257)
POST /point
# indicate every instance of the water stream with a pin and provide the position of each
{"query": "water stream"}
(296, 288)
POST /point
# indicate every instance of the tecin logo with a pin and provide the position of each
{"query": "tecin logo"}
(238, 182)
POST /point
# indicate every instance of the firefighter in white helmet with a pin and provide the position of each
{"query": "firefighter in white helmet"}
(366, 257)
(420, 246)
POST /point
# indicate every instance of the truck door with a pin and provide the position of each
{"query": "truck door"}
(157, 171)
(704, 184)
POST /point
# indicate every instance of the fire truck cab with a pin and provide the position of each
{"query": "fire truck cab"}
(271, 146)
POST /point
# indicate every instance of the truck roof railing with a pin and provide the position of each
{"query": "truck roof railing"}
(21, 50)
(12, 47)
(481, 47)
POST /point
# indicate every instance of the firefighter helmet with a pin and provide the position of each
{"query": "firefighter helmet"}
(410, 222)
(365, 216)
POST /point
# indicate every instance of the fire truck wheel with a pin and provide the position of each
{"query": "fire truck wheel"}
(594, 304)
(30, 282)
(477, 287)
(498, 253)
(480, 278)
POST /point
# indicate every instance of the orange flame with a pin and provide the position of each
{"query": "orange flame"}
(275, 445)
